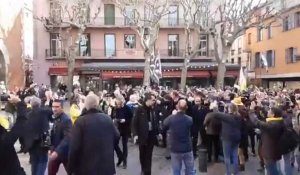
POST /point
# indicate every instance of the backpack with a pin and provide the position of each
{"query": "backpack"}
(288, 141)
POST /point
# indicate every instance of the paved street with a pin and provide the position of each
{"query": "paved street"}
(161, 166)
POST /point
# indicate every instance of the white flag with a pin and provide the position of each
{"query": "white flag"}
(264, 62)
(155, 68)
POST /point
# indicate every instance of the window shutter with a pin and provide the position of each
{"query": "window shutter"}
(286, 55)
(295, 54)
(273, 58)
(292, 21)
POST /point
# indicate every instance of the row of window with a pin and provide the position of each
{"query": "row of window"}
(289, 22)
(110, 18)
(290, 57)
(129, 43)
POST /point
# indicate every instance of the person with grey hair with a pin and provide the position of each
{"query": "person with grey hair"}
(213, 129)
(36, 136)
(35, 102)
(93, 135)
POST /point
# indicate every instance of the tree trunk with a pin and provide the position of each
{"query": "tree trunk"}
(221, 75)
(147, 75)
(71, 67)
(183, 75)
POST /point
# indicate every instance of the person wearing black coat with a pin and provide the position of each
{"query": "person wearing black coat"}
(37, 137)
(199, 112)
(165, 110)
(93, 138)
(122, 116)
(145, 130)
(9, 162)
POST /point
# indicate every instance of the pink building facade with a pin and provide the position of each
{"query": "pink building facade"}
(111, 52)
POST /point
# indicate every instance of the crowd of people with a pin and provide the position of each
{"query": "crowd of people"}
(231, 125)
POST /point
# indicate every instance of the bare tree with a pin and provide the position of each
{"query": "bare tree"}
(70, 19)
(225, 21)
(195, 15)
(144, 18)
(230, 20)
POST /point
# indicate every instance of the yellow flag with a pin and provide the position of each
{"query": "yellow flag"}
(242, 80)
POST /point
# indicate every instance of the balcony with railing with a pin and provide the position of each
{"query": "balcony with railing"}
(106, 53)
(124, 22)
(172, 53)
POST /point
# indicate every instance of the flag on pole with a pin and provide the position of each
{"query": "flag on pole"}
(155, 68)
(264, 62)
(242, 81)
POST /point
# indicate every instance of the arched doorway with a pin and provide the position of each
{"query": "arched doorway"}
(2, 67)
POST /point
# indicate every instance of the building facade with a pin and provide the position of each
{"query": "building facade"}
(16, 42)
(110, 51)
(277, 42)
(238, 53)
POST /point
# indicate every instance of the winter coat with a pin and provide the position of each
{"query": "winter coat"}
(213, 125)
(271, 131)
(92, 145)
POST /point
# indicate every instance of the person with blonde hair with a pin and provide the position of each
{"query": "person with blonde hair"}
(75, 108)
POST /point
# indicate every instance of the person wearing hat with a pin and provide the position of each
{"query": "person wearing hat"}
(245, 128)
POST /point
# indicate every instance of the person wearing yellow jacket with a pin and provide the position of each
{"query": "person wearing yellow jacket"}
(75, 109)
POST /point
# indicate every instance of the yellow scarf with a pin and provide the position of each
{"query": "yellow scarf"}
(274, 119)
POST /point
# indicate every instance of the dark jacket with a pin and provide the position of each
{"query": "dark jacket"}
(270, 134)
(198, 115)
(9, 162)
(60, 135)
(36, 126)
(231, 127)
(123, 113)
(144, 116)
(213, 125)
(179, 126)
(92, 145)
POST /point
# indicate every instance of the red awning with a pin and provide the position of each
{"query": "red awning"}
(230, 73)
(61, 71)
(177, 74)
(122, 74)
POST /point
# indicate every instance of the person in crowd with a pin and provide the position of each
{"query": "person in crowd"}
(179, 126)
(199, 111)
(289, 158)
(145, 130)
(49, 99)
(122, 116)
(270, 134)
(75, 109)
(231, 137)
(213, 129)
(166, 108)
(92, 142)
(60, 134)
(37, 136)
(9, 162)
(243, 145)
(260, 115)
(133, 103)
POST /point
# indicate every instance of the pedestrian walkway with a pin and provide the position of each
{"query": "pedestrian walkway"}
(160, 166)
